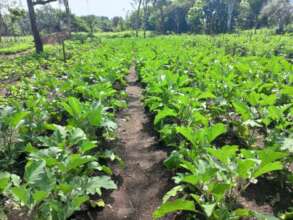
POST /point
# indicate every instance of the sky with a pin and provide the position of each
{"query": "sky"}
(108, 8)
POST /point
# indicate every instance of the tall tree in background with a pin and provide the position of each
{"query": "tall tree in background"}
(16, 14)
(255, 9)
(279, 12)
(137, 18)
(178, 11)
(160, 4)
(68, 15)
(145, 15)
(230, 10)
(1, 20)
(35, 31)
(196, 17)
(6, 7)
(91, 21)
(34, 27)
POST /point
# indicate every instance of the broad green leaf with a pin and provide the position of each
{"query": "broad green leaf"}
(274, 113)
(34, 171)
(268, 155)
(95, 117)
(253, 98)
(191, 167)
(206, 95)
(287, 89)
(268, 168)
(16, 118)
(173, 192)
(21, 194)
(208, 209)
(268, 100)
(97, 183)
(30, 149)
(242, 109)
(191, 179)
(65, 188)
(287, 145)
(200, 118)
(76, 161)
(173, 161)
(173, 206)
(39, 196)
(246, 166)
(87, 146)
(214, 131)
(188, 133)
(166, 112)
(219, 190)
(225, 154)
(4, 181)
(243, 213)
(78, 201)
(73, 106)
(76, 136)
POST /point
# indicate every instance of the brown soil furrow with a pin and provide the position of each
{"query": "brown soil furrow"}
(143, 179)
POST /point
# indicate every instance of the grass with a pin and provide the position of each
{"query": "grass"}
(13, 45)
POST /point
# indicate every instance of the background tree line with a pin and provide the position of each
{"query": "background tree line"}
(16, 22)
(212, 16)
(163, 16)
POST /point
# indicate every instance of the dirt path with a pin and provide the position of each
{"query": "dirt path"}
(15, 55)
(143, 180)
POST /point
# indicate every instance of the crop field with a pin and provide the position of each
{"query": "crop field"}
(12, 45)
(169, 127)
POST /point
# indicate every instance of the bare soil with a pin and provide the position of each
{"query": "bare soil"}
(15, 55)
(143, 180)
(267, 196)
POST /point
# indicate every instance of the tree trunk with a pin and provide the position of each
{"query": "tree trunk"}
(177, 19)
(231, 5)
(1, 25)
(138, 18)
(68, 14)
(145, 16)
(161, 25)
(35, 31)
(280, 29)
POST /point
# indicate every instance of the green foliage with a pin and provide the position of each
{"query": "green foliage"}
(52, 128)
(213, 106)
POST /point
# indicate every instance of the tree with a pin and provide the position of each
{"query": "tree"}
(210, 16)
(50, 19)
(196, 16)
(68, 15)
(7, 7)
(137, 19)
(280, 12)
(117, 23)
(230, 11)
(145, 15)
(91, 21)
(178, 11)
(1, 20)
(15, 15)
(255, 9)
(36, 34)
(160, 5)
